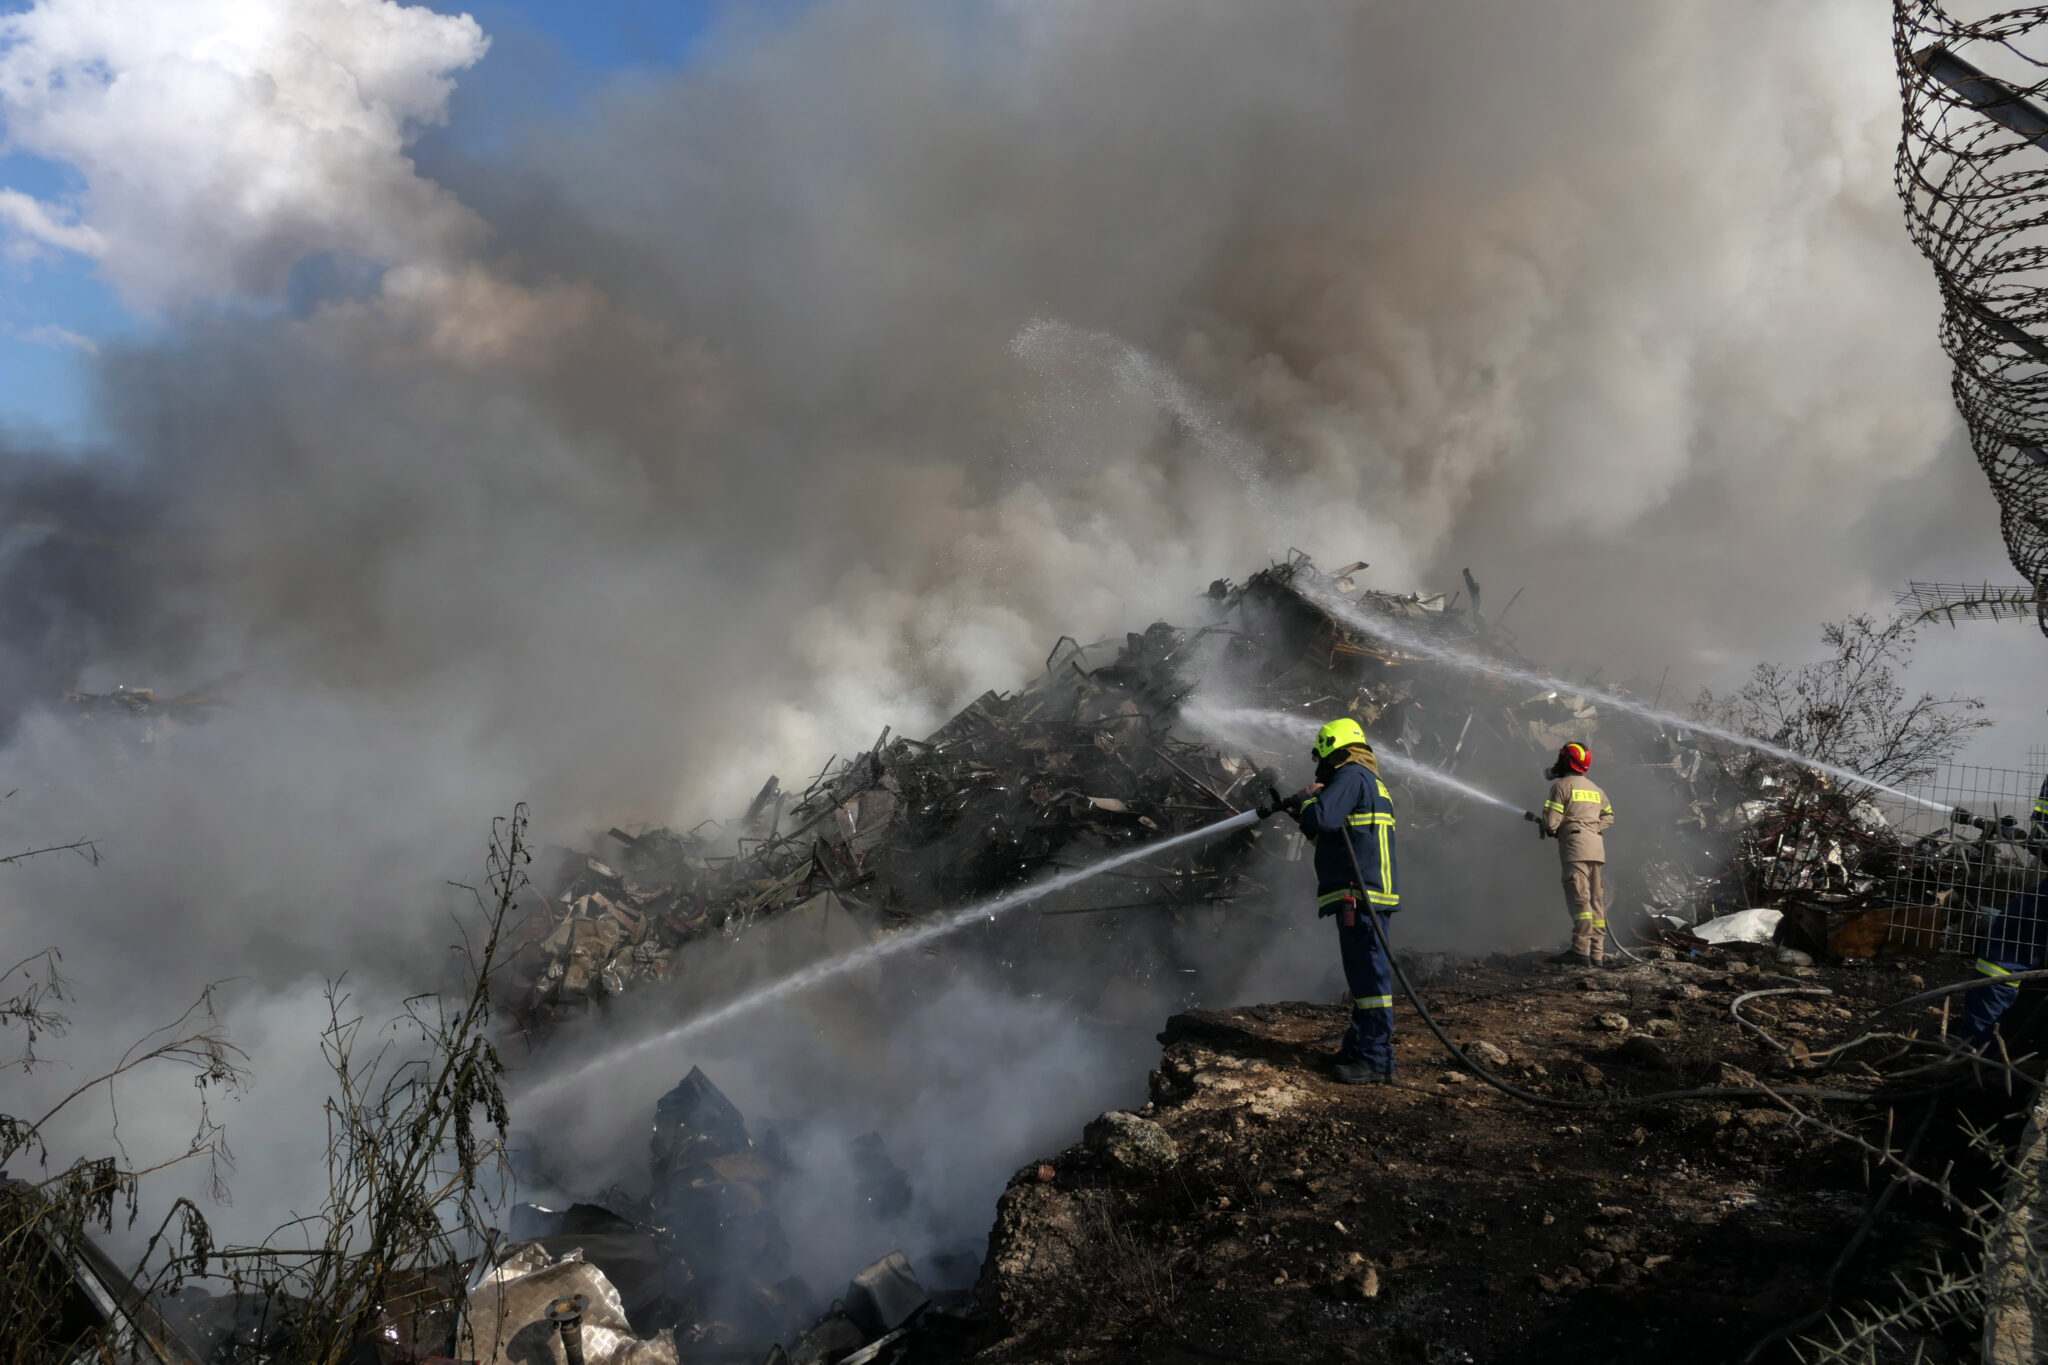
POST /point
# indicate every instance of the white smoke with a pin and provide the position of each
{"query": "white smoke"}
(823, 385)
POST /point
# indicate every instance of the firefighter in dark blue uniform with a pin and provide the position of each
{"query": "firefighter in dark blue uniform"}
(2015, 940)
(1349, 805)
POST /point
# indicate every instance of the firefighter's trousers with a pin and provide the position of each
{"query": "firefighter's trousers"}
(1369, 1041)
(1585, 894)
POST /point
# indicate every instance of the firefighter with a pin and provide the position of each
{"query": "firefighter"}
(1348, 804)
(2016, 940)
(1576, 814)
(2041, 810)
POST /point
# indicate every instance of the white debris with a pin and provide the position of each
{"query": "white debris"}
(1744, 926)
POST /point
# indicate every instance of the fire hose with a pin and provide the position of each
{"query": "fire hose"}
(1513, 1091)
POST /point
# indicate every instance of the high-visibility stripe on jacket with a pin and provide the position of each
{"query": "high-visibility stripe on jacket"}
(1356, 804)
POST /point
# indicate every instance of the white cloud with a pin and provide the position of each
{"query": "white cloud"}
(53, 336)
(220, 142)
(45, 225)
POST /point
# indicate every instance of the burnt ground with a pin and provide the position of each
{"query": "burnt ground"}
(1440, 1220)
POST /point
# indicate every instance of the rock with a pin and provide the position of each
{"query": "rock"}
(1592, 1075)
(1595, 1263)
(836, 1336)
(1612, 1022)
(1367, 1285)
(1045, 1174)
(1131, 1144)
(1792, 957)
(1486, 1055)
(1732, 1075)
(1645, 1051)
(1663, 1028)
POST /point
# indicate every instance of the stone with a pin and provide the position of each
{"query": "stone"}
(1663, 1028)
(1612, 1022)
(1591, 1075)
(1130, 1144)
(1645, 1051)
(1486, 1054)
(1595, 1263)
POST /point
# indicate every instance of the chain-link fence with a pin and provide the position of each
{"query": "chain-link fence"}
(1970, 856)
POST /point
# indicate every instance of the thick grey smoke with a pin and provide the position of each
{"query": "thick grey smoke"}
(822, 384)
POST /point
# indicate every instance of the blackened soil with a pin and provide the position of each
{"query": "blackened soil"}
(1439, 1220)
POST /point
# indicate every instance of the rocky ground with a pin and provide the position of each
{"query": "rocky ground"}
(1254, 1210)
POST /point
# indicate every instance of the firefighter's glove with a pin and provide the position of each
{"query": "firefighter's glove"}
(1275, 803)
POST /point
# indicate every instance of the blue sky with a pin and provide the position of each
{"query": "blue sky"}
(543, 52)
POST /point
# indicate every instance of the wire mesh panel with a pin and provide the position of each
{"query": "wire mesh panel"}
(1971, 853)
(1972, 173)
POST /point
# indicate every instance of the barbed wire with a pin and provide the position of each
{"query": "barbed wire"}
(1972, 173)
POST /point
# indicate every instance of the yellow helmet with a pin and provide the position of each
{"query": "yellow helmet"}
(1341, 733)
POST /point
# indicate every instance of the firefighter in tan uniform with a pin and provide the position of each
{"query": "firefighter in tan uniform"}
(1576, 814)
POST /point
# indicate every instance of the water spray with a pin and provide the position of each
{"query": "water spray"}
(1414, 643)
(1223, 719)
(817, 974)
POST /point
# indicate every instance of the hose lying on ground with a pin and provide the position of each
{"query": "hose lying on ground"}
(1776, 1094)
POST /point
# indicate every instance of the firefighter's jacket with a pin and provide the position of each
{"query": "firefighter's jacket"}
(1355, 803)
(2041, 807)
(1576, 815)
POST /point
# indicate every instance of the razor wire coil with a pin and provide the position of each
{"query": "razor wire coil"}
(1972, 174)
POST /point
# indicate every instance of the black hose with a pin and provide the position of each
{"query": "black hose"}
(1551, 1101)
(1953, 988)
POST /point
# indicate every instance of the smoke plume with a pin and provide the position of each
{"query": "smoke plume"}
(825, 381)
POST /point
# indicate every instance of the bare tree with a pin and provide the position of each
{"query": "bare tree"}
(1849, 708)
(416, 1160)
(43, 1211)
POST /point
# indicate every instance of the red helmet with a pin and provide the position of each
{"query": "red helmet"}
(1576, 757)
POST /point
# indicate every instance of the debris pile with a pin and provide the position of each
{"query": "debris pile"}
(1843, 879)
(703, 1257)
(1089, 757)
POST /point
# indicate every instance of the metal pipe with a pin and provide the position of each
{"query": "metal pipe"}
(567, 1314)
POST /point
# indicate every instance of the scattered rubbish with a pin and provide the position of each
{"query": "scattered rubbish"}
(533, 1304)
(94, 1308)
(885, 1295)
(1744, 926)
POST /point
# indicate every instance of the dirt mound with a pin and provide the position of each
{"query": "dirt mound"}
(1440, 1220)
